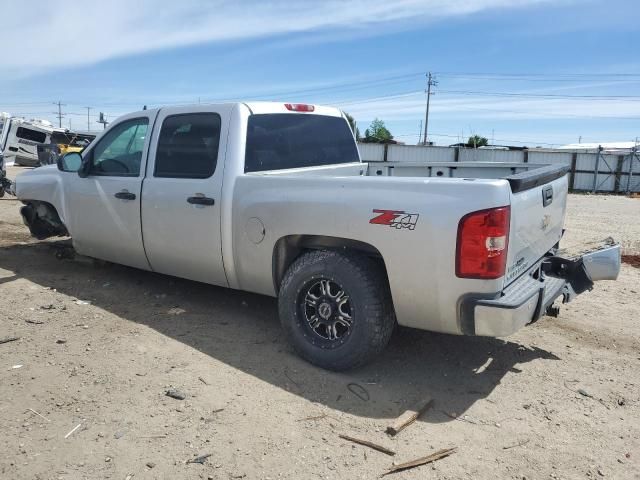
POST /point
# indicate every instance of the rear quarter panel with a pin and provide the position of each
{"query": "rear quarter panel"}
(420, 263)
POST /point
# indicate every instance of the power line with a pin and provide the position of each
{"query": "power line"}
(542, 95)
(576, 75)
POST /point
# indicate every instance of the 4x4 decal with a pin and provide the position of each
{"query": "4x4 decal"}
(395, 218)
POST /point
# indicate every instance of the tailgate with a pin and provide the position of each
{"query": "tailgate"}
(538, 205)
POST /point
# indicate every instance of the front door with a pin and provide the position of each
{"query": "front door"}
(104, 208)
(181, 194)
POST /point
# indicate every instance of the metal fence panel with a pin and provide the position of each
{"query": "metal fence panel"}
(583, 181)
(584, 178)
(414, 153)
(586, 161)
(371, 152)
(550, 157)
(489, 155)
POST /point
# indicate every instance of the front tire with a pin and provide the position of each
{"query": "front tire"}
(336, 309)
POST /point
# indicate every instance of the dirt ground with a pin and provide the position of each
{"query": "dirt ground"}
(100, 345)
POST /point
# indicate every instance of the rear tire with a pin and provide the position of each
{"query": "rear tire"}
(336, 308)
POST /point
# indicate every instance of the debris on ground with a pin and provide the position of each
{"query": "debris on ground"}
(313, 417)
(175, 393)
(440, 454)
(176, 311)
(33, 411)
(150, 464)
(409, 416)
(9, 339)
(519, 444)
(584, 393)
(73, 430)
(201, 459)
(34, 322)
(369, 444)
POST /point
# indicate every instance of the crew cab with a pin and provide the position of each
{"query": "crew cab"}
(273, 198)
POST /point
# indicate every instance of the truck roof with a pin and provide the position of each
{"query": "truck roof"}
(265, 107)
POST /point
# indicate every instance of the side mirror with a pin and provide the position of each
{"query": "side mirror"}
(70, 162)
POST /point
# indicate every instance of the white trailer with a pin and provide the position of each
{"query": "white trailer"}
(19, 139)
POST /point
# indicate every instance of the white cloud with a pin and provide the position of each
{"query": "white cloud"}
(44, 35)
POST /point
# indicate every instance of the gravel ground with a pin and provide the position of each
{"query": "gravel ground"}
(100, 345)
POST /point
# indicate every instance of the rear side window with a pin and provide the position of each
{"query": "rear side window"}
(287, 140)
(33, 135)
(188, 146)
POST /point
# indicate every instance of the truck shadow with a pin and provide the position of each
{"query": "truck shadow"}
(242, 330)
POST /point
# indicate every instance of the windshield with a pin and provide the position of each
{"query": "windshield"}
(285, 140)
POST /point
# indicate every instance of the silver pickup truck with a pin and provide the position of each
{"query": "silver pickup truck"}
(272, 198)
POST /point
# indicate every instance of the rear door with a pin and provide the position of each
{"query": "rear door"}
(537, 220)
(181, 194)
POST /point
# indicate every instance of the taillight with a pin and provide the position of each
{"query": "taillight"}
(299, 107)
(483, 238)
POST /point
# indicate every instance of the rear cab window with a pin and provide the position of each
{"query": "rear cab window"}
(277, 141)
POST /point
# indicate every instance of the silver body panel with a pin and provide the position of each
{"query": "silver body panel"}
(233, 243)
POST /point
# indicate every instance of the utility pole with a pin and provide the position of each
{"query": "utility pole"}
(420, 133)
(88, 124)
(59, 114)
(431, 82)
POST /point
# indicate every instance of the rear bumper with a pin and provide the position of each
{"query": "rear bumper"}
(528, 298)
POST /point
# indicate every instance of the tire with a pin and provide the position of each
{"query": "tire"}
(323, 327)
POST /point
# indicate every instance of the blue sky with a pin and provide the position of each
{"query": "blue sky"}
(521, 72)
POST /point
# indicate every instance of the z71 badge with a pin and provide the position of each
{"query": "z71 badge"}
(395, 218)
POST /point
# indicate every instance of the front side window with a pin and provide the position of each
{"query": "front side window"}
(119, 152)
(32, 135)
(188, 146)
(284, 140)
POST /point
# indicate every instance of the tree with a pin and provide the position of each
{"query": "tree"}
(352, 124)
(377, 133)
(476, 141)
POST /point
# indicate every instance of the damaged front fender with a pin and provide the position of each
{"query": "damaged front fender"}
(43, 220)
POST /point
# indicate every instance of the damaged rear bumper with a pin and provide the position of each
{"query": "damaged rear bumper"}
(532, 295)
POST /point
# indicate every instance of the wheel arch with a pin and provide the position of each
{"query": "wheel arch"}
(42, 219)
(288, 248)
